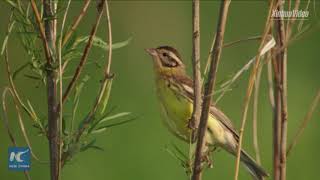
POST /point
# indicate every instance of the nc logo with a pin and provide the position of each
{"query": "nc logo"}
(19, 158)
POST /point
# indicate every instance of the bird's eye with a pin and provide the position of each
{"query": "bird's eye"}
(165, 54)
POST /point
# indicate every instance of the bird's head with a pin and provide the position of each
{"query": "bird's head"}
(166, 60)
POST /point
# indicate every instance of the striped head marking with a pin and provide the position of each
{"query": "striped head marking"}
(166, 58)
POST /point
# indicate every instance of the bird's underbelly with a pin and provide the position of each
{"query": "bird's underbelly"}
(177, 111)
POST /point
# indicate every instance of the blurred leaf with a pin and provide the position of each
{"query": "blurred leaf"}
(122, 114)
(80, 86)
(90, 145)
(32, 77)
(180, 151)
(105, 96)
(76, 100)
(99, 131)
(16, 72)
(5, 41)
(98, 42)
(174, 155)
(11, 3)
(117, 123)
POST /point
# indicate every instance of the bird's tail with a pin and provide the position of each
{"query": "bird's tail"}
(255, 169)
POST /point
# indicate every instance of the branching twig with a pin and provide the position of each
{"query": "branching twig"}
(84, 55)
(304, 123)
(76, 22)
(196, 68)
(209, 87)
(104, 85)
(42, 31)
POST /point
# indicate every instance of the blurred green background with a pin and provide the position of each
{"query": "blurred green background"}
(137, 150)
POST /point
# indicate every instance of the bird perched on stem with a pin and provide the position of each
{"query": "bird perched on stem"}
(175, 93)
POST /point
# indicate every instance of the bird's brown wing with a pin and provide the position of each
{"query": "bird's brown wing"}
(187, 87)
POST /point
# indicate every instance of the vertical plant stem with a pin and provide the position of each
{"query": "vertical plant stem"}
(53, 121)
(270, 81)
(276, 125)
(282, 89)
(255, 115)
(196, 67)
(109, 59)
(209, 88)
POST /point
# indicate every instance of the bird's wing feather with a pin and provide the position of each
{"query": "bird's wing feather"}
(187, 87)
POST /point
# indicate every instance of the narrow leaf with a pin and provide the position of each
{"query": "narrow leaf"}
(122, 114)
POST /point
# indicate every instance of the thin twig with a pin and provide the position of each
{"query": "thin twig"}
(21, 123)
(225, 46)
(13, 87)
(226, 86)
(304, 123)
(253, 38)
(250, 88)
(109, 60)
(290, 22)
(209, 88)
(255, 115)
(42, 31)
(17, 103)
(60, 81)
(76, 22)
(276, 123)
(270, 82)
(206, 69)
(6, 122)
(84, 55)
(196, 68)
(106, 80)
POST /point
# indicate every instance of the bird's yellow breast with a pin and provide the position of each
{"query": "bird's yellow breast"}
(176, 108)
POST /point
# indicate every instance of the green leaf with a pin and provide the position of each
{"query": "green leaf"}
(122, 114)
(116, 124)
(71, 42)
(11, 3)
(98, 42)
(180, 151)
(174, 155)
(22, 67)
(106, 88)
(90, 145)
(5, 41)
(98, 131)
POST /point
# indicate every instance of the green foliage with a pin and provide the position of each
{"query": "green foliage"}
(98, 42)
(23, 24)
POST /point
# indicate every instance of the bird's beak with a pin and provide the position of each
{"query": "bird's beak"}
(151, 51)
